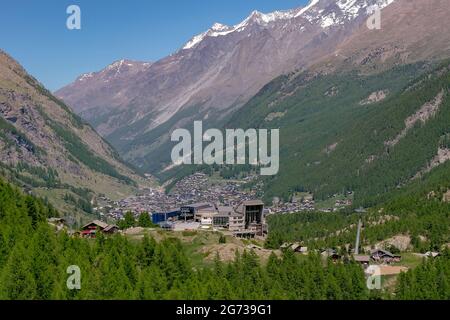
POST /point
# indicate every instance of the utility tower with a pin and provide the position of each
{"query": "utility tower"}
(358, 237)
(361, 211)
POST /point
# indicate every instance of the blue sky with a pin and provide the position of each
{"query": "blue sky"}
(35, 33)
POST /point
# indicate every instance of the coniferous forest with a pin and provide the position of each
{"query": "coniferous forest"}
(34, 261)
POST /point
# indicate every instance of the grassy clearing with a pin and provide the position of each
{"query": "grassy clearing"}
(330, 202)
(409, 260)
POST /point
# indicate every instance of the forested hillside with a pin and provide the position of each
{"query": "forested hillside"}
(47, 148)
(420, 211)
(370, 134)
(34, 259)
(429, 281)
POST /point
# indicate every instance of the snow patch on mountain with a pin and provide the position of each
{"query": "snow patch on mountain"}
(257, 17)
(115, 69)
(85, 76)
(350, 10)
(328, 21)
(305, 9)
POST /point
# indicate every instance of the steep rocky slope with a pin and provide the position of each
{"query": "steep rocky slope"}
(44, 145)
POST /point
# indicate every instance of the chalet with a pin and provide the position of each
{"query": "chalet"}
(111, 229)
(56, 220)
(380, 255)
(331, 254)
(362, 259)
(90, 230)
(58, 223)
(297, 247)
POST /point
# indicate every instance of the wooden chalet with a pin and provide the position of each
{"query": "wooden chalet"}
(362, 259)
(90, 230)
(331, 254)
(384, 256)
(299, 248)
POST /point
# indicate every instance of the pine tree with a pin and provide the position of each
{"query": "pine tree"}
(128, 221)
(146, 251)
(44, 259)
(144, 220)
(17, 282)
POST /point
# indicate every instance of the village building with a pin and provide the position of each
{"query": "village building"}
(169, 215)
(111, 229)
(254, 220)
(90, 230)
(384, 256)
(243, 218)
(222, 218)
(362, 259)
(331, 254)
(298, 248)
(236, 222)
(58, 223)
(198, 211)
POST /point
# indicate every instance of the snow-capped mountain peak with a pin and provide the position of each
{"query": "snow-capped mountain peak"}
(115, 69)
(348, 10)
(230, 64)
(325, 13)
(255, 17)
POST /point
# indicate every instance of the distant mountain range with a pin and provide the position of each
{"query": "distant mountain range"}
(211, 77)
(44, 145)
(262, 62)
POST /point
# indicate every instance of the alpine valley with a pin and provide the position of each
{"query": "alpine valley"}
(340, 93)
(86, 176)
